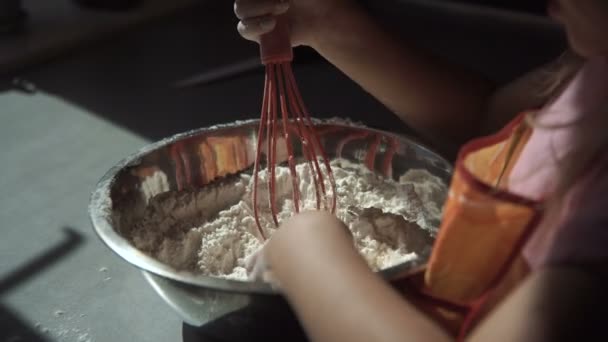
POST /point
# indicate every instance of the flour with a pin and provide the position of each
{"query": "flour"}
(65, 327)
(212, 231)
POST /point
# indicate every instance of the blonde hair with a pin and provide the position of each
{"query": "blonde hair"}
(559, 74)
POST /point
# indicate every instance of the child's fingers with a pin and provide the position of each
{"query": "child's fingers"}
(245, 9)
(251, 261)
(253, 28)
(262, 271)
(256, 265)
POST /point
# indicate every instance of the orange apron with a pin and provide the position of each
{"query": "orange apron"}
(477, 258)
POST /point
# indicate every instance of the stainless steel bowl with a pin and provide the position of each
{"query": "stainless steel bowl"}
(203, 156)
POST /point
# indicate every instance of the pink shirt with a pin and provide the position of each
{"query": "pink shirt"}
(581, 233)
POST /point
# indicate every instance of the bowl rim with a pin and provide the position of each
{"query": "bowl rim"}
(100, 214)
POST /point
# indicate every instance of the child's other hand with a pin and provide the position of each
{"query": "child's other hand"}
(306, 17)
(303, 237)
(258, 269)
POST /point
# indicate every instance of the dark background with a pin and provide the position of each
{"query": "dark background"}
(531, 6)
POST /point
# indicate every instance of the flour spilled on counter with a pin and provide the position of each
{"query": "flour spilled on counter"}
(212, 231)
(65, 327)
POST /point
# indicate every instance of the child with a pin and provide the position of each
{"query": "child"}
(522, 253)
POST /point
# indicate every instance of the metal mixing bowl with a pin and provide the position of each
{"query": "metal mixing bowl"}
(194, 159)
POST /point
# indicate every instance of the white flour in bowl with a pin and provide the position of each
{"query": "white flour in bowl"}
(212, 231)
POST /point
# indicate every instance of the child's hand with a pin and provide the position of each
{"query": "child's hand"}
(307, 18)
(300, 237)
(257, 268)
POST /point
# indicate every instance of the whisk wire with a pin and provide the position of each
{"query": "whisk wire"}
(316, 145)
(272, 147)
(290, 154)
(256, 166)
(307, 144)
(281, 93)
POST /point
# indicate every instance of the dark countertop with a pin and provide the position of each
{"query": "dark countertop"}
(97, 104)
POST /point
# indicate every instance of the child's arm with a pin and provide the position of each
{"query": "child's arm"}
(554, 304)
(338, 298)
(441, 100)
(437, 99)
(332, 290)
(566, 300)
(444, 102)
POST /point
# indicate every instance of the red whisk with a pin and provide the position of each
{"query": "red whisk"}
(281, 94)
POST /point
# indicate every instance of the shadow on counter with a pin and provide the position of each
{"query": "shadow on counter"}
(12, 327)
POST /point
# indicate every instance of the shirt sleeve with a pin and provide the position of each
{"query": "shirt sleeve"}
(582, 237)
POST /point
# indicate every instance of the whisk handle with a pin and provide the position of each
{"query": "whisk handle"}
(275, 46)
